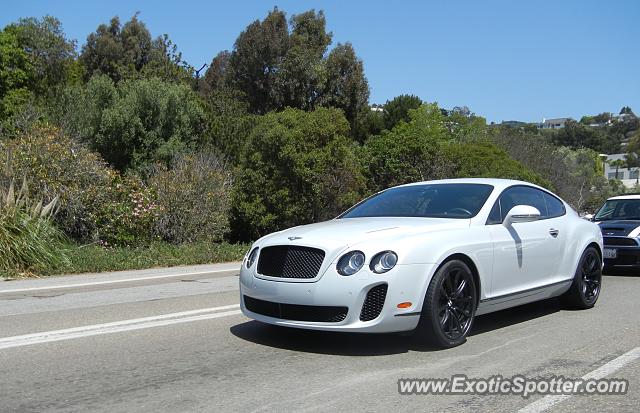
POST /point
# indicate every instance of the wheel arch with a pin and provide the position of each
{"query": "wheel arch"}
(596, 246)
(472, 266)
(579, 251)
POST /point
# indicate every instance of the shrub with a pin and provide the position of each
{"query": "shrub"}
(134, 122)
(56, 165)
(432, 146)
(410, 152)
(193, 199)
(300, 167)
(128, 216)
(484, 159)
(576, 175)
(28, 239)
(94, 258)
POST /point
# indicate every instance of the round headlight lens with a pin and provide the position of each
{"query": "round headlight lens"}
(350, 263)
(383, 262)
(252, 257)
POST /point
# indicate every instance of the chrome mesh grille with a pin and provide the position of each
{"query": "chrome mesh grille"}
(290, 261)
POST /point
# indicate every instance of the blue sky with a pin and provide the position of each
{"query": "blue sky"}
(506, 60)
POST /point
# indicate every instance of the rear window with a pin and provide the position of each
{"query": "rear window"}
(555, 207)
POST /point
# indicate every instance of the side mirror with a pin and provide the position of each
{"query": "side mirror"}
(521, 213)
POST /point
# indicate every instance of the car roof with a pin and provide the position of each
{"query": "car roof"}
(624, 197)
(497, 183)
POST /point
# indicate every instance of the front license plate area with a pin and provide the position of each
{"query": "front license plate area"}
(610, 253)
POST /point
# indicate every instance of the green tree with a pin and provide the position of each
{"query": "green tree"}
(128, 51)
(370, 124)
(410, 152)
(17, 75)
(103, 52)
(397, 109)
(626, 110)
(214, 76)
(427, 148)
(255, 61)
(134, 122)
(300, 167)
(277, 64)
(484, 159)
(576, 135)
(603, 117)
(229, 124)
(165, 62)
(52, 55)
(465, 125)
(302, 75)
(346, 87)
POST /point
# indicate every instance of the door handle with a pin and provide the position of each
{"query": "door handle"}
(554, 232)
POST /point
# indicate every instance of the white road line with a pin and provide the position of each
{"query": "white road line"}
(155, 277)
(119, 326)
(603, 371)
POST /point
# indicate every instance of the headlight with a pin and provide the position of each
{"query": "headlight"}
(383, 262)
(252, 257)
(350, 263)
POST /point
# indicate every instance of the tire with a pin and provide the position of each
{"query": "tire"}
(449, 306)
(587, 281)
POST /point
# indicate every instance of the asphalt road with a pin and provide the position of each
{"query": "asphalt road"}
(173, 340)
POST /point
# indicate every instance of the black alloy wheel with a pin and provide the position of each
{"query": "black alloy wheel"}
(449, 306)
(587, 281)
(591, 276)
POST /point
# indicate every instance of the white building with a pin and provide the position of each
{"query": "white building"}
(556, 123)
(628, 176)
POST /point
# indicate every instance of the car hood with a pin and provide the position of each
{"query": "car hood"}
(618, 227)
(336, 235)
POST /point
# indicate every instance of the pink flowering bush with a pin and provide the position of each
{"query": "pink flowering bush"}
(129, 217)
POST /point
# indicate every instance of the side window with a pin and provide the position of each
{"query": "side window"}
(555, 207)
(494, 215)
(522, 195)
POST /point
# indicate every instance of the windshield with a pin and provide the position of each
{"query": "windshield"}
(428, 201)
(619, 209)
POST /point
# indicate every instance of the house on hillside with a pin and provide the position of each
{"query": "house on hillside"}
(556, 123)
(615, 168)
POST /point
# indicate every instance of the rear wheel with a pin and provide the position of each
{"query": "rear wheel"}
(587, 281)
(449, 306)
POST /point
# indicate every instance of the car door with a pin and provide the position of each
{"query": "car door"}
(557, 224)
(525, 255)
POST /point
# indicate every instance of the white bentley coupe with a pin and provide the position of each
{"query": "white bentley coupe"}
(428, 256)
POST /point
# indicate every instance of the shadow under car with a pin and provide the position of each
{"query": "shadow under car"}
(371, 344)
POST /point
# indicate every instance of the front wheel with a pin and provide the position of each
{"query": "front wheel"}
(449, 306)
(585, 290)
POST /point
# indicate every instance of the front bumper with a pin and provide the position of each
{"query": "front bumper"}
(626, 257)
(405, 283)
